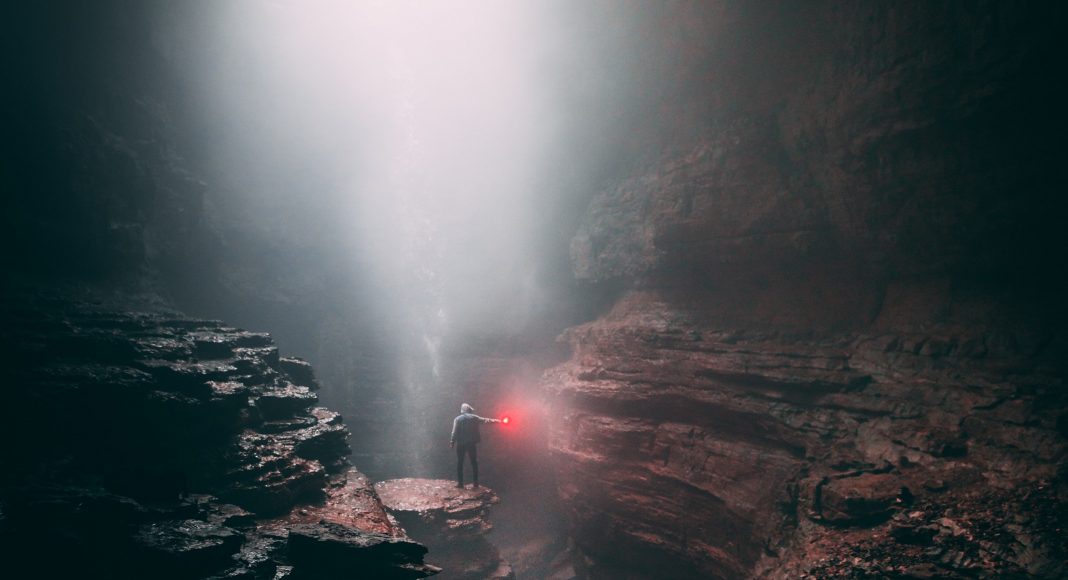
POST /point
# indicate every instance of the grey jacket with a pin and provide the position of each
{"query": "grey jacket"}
(465, 428)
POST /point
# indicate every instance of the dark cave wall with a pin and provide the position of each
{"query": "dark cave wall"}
(832, 242)
(106, 181)
(872, 145)
(95, 187)
(151, 444)
(108, 187)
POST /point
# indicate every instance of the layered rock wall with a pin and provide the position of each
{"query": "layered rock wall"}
(834, 309)
(718, 448)
(148, 444)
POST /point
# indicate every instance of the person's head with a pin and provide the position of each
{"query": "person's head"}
(465, 408)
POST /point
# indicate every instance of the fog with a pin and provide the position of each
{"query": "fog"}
(809, 219)
(392, 188)
(409, 129)
(411, 133)
(388, 188)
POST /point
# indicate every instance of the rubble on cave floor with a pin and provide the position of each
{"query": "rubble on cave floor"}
(959, 529)
(764, 453)
(450, 521)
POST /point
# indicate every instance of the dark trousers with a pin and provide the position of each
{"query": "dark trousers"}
(468, 449)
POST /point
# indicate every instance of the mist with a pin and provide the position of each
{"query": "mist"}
(405, 135)
(764, 289)
(392, 188)
(408, 140)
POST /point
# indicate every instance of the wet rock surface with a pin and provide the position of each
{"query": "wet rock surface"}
(727, 453)
(155, 445)
(329, 550)
(971, 533)
(816, 326)
(189, 547)
(451, 522)
(350, 500)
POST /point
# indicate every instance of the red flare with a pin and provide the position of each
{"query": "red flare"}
(505, 419)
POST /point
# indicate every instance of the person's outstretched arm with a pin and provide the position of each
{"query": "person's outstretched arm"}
(452, 438)
(485, 420)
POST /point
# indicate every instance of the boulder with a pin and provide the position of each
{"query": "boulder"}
(131, 426)
(863, 499)
(185, 547)
(451, 521)
(334, 550)
(299, 371)
(284, 400)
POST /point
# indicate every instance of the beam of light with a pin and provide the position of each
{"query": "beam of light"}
(418, 123)
(443, 99)
(408, 132)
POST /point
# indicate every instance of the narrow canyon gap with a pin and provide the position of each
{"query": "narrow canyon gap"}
(766, 289)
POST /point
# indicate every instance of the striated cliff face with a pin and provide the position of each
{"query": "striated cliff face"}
(726, 451)
(837, 346)
(148, 444)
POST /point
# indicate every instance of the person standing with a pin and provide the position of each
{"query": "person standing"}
(465, 438)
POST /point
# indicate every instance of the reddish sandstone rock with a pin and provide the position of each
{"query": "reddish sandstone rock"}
(329, 550)
(864, 498)
(697, 450)
(450, 521)
(350, 501)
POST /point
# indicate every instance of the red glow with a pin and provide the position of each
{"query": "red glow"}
(505, 419)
